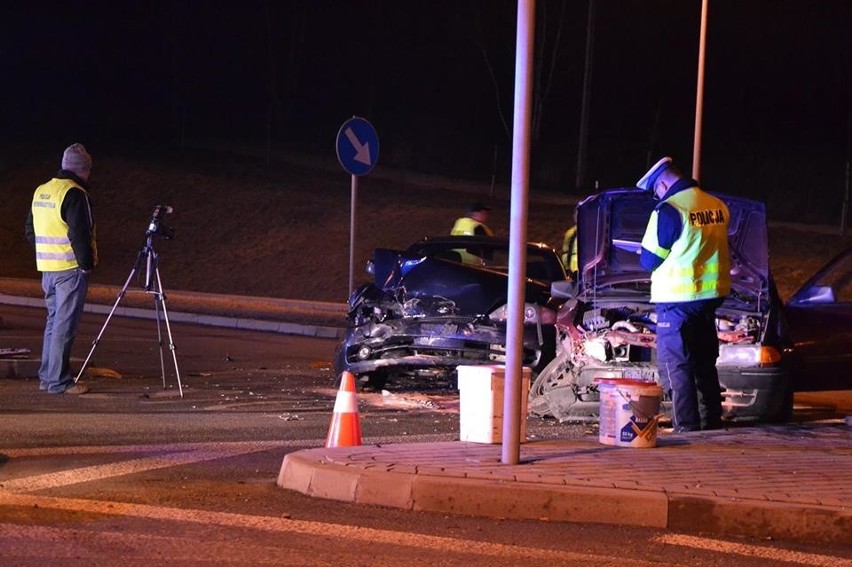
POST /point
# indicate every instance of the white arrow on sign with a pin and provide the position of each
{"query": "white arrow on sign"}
(362, 151)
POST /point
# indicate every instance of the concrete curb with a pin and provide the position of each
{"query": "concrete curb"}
(313, 473)
(288, 317)
(272, 315)
(385, 476)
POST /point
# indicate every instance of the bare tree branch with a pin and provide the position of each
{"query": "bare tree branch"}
(544, 86)
(482, 48)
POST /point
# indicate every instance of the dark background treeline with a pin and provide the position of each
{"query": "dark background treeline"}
(436, 80)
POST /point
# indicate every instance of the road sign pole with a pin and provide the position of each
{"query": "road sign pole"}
(352, 230)
(357, 151)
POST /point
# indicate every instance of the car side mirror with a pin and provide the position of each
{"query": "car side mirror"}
(816, 294)
(563, 289)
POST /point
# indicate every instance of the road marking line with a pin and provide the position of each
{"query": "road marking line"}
(159, 457)
(100, 472)
(254, 445)
(302, 527)
(152, 448)
(163, 458)
(753, 550)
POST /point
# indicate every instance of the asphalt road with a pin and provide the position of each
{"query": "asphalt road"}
(133, 473)
(236, 385)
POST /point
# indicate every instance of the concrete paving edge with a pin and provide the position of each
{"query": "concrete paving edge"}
(317, 473)
(288, 317)
(309, 473)
(314, 319)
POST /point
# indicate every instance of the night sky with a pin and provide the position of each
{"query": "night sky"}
(777, 98)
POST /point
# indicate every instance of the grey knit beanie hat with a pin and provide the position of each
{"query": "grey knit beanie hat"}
(76, 159)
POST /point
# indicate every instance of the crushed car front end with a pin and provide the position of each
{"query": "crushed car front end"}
(425, 313)
(410, 336)
(607, 326)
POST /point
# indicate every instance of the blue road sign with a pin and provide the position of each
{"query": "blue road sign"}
(357, 146)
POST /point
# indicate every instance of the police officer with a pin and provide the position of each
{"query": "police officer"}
(61, 228)
(685, 248)
(473, 224)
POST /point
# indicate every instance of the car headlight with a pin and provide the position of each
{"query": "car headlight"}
(748, 355)
(532, 314)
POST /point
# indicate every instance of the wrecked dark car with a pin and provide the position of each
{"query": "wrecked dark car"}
(442, 303)
(607, 326)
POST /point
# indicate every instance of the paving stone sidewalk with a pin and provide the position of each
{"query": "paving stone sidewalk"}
(788, 481)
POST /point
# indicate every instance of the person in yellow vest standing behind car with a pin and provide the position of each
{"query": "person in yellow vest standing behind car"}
(61, 228)
(685, 247)
(473, 224)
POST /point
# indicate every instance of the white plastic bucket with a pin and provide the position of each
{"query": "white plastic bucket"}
(629, 412)
(481, 403)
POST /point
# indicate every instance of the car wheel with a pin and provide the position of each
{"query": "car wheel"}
(552, 376)
(376, 380)
(547, 352)
(338, 364)
(785, 413)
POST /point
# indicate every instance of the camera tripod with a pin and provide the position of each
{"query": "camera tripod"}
(154, 286)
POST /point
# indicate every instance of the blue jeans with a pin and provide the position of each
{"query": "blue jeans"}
(64, 296)
(687, 349)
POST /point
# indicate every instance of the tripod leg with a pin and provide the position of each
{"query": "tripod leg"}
(158, 298)
(152, 287)
(162, 299)
(111, 312)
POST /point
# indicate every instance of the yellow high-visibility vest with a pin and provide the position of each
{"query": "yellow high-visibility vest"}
(569, 249)
(466, 226)
(53, 247)
(698, 265)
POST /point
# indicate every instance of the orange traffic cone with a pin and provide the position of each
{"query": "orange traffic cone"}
(345, 429)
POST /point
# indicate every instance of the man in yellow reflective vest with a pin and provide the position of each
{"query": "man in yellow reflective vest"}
(685, 247)
(61, 228)
(473, 223)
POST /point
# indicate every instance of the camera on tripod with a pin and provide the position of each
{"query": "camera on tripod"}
(153, 285)
(156, 227)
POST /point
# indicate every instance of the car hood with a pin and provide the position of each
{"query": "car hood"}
(611, 224)
(473, 290)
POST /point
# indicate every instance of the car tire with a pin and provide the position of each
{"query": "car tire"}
(785, 413)
(373, 380)
(339, 365)
(376, 380)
